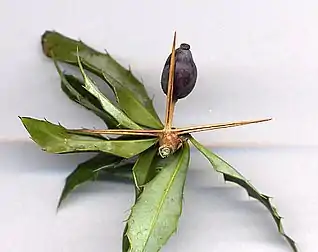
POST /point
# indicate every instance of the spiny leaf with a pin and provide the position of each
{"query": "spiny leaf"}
(143, 172)
(136, 109)
(127, 88)
(57, 139)
(154, 217)
(115, 112)
(88, 171)
(74, 89)
(232, 175)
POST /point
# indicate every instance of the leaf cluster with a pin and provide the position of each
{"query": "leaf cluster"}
(132, 145)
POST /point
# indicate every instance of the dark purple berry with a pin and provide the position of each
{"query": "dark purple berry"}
(185, 73)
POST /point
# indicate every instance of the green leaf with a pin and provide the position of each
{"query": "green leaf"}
(125, 242)
(88, 171)
(138, 110)
(115, 112)
(128, 89)
(143, 172)
(232, 175)
(120, 173)
(57, 139)
(74, 89)
(154, 217)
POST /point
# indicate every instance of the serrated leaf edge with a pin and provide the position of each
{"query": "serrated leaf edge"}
(154, 119)
(228, 177)
(91, 87)
(162, 201)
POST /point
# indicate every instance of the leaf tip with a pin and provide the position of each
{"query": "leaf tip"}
(46, 33)
(61, 199)
(26, 121)
(58, 207)
(46, 46)
(59, 204)
(80, 63)
(21, 118)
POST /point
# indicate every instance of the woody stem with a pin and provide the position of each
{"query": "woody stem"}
(188, 130)
(169, 101)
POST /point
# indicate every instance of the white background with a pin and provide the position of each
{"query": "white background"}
(256, 59)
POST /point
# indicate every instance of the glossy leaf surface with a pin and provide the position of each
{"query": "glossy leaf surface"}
(57, 139)
(154, 217)
(232, 175)
(128, 89)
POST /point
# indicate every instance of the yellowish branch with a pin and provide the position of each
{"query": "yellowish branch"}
(188, 130)
(169, 102)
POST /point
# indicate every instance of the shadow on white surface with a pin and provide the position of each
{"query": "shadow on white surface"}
(255, 59)
(216, 216)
